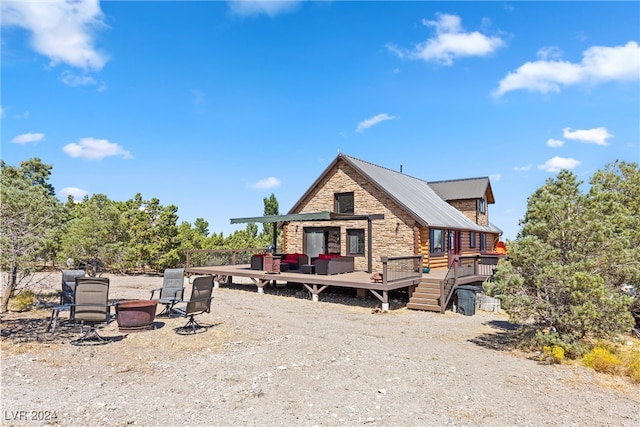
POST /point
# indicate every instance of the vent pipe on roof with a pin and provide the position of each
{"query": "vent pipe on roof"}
(400, 168)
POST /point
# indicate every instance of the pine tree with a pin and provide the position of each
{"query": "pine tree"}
(572, 254)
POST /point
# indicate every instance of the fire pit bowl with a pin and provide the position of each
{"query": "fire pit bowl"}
(135, 315)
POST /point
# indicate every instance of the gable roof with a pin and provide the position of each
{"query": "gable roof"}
(412, 194)
(464, 189)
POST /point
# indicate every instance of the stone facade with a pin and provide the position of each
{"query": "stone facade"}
(470, 209)
(393, 236)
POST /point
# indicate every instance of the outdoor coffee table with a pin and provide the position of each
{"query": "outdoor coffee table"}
(308, 268)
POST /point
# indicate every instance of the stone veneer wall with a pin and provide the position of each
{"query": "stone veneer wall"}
(469, 209)
(392, 236)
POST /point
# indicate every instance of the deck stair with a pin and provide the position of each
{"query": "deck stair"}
(435, 290)
(426, 295)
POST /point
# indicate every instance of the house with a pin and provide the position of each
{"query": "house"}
(389, 213)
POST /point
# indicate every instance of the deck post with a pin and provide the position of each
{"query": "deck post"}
(385, 264)
(275, 237)
(443, 306)
(369, 246)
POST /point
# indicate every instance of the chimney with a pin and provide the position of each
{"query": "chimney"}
(400, 168)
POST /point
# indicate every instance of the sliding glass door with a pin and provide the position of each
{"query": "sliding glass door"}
(314, 242)
(324, 240)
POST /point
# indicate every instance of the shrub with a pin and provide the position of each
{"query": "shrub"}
(553, 354)
(633, 366)
(602, 360)
(571, 348)
(23, 301)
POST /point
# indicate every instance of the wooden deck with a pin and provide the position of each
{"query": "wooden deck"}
(430, 291)
(314, 283)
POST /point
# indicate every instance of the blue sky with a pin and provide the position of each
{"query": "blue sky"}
(214, 105)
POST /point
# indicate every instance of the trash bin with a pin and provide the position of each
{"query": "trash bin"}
(467, 299)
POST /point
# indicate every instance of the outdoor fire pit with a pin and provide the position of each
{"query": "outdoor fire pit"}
(135, 315)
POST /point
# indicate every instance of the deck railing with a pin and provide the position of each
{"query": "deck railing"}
(465, 266)
(216, 257)
(401, 268)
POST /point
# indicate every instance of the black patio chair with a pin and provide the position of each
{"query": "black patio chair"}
(91, 308)
(172, 290)
(200, 302)
(67, 295)
(69, 285)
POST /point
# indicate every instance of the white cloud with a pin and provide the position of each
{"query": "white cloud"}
(2, 110)
(365, 124)
(95, 149)
(556, 164)
(596, 136)
(599, 64)
(26, 138)
(74, 80)
(267, 183)
(61, 30)
(549, 52)
(450, 42)
(495, 177)
(268, 7)
(555, 143)
(522, 168)
(76, 193)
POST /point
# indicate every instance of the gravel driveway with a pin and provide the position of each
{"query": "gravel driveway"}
(281, 359)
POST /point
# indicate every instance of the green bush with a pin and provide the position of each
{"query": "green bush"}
(572, 349)
(23, 301)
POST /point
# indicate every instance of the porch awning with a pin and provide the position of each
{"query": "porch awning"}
(311, 216)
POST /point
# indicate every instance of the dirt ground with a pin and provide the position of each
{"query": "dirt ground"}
(281, 359)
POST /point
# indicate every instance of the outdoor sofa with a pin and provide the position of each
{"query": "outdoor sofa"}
(334, 264)
(293, 260)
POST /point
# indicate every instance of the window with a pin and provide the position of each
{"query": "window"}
(482, 206)
(472, 239)
(344, 203)
(483, 242)
(355, 242)
(436, 241)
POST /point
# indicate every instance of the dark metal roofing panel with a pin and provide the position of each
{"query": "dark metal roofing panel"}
(415, 196)
(282, 218)
(310, 216)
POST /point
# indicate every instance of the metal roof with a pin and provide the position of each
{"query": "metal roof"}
(462, 189)
(415, 196)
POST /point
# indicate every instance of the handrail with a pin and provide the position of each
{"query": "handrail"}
(221, 256)
(399, 268)
(480, 265)
(447, 285)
